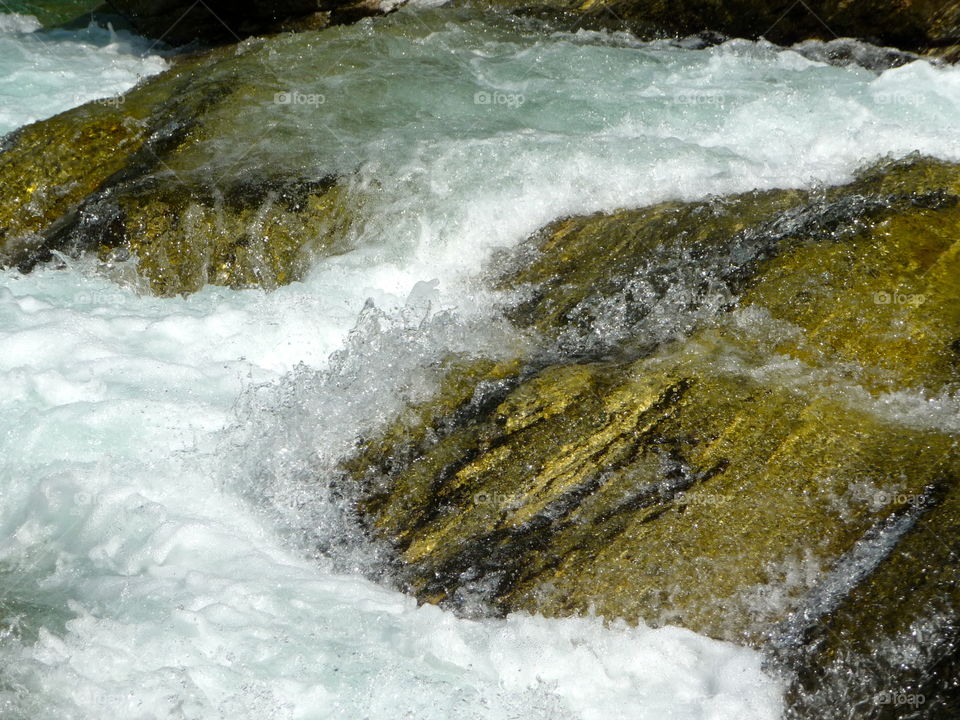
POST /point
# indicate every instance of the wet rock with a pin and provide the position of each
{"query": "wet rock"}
(892, 645)
(179, 22)
(179, 174)
(921, 25)
(846, 52)
(741, 418)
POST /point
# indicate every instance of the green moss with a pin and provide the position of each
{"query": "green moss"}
(582, 258)
(179, 22)
(896, 633)
(571, 489)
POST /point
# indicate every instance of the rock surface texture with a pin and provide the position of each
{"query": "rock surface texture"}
(925, 25)
(219, 21)
(171, 173)
(726, 427)
(919, 25)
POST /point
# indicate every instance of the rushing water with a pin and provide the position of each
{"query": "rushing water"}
(163, 459)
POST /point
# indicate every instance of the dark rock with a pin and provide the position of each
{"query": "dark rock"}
(178, 22)
(919, 25)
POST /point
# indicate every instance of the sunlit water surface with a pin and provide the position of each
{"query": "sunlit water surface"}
(164, 460)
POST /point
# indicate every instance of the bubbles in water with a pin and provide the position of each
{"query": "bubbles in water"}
(192, 571)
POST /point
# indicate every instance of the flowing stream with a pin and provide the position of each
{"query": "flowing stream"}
(162, 461)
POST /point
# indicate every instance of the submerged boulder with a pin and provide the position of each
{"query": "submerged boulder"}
(179, 174)
(742, 418)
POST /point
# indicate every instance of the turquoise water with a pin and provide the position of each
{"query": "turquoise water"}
(163, 460)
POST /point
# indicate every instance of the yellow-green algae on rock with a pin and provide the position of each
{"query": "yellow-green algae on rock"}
(748, 472)
(169, 173)
(184, 241)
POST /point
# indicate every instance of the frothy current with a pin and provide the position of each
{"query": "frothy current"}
(147, 563)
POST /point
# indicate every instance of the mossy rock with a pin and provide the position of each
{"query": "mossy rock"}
(738, 420)
(264, 235)
(151, 174)
(610, 285)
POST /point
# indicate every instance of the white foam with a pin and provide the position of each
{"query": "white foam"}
(44, 73)
(163, 550)
(184, 599)
(15, 23)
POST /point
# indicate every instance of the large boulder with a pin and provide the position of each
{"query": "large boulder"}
(920, 25)
(183, 176)
(179, 22)
(907, 24)
(740, 419)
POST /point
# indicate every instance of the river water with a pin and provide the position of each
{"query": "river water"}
(162, 461)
